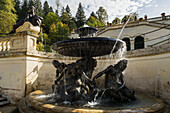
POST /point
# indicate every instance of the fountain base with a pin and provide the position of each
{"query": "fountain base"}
(36, 102)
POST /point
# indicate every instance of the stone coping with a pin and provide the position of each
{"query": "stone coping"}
(54, 55)
(20, 33)
(34, 106)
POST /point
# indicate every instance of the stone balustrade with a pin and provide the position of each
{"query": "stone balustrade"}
(5, 44)
(19, 42)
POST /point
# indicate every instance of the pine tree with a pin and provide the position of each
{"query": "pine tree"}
(68, 11)
(46, 8)
(64, 16)
(31, 3)
(51, 10)
(24, 9)
(72, 24)
(93, 14)
(80, 16)
(7, 16)
(18, 9)
(38, 7)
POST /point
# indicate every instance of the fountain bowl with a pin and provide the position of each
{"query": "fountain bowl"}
(36, 102)
(87, 47)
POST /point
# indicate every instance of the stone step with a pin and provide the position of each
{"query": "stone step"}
(3, 99)
(3, 103)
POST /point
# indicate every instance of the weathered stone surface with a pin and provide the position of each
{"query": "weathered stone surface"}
(36, 106)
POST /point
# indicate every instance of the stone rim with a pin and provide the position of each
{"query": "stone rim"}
(87, 47)
(39, 106)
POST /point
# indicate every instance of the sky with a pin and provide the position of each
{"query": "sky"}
(118, 8)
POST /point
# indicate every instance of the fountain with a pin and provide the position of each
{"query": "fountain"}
(75, 90)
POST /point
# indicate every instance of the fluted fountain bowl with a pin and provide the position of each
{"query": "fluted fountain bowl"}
(87, 47)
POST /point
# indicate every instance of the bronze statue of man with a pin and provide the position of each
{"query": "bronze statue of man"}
(115, 89)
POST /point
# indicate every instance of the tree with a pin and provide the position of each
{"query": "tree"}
(80, 16)
(38, 7)
(94, 22)
(46, 8)
(31, 3)
(68, 11)
(93, 14)
(18, 8)
(58, 33)
(102, 15)
(64, 16)
(7, 16)
(50, 19)
(72, 24)
(24, 9)
(51, 9)
(116, 21)
(132, 18)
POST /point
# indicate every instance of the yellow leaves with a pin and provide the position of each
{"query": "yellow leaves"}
(7, 18)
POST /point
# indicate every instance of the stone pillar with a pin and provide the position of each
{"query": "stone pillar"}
(132, 44)
(18, 62)
(23, 42)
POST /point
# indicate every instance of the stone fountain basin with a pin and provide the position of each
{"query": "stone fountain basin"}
(33, 104)
(87, 47)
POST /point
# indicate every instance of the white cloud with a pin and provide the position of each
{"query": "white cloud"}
(115, 8)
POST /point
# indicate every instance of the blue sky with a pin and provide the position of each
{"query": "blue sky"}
(118, 8)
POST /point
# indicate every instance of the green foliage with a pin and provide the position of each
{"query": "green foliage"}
(18, 8)
(93, 14)
(38, 7)
(31, 3)
(65, 18)
(132, 18)
(116, 21)
(72, 24)
(68, 11)
(40, 46)
(102, 15)
(92, 21)
(49, 20)
(46, 8)
(51, 10)
(24, 10)
(80, 16)
(7, 16)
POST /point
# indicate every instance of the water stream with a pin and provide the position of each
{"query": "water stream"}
(122, 51)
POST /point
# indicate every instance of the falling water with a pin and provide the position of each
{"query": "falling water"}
(123, 47)
(54, 93)
(95, 97)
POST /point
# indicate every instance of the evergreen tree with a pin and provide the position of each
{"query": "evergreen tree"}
(38, 7)
(31, 3)
(68, 11)
(80, 16)
(7, 16)
(46, 8)
(72, 24)
(24, 9)
(18, 8)
(64, 16)
(93, 14)
(56, 12)
(51, 10)
(102, 15)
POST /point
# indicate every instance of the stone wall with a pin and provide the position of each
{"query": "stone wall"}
(23, 71)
